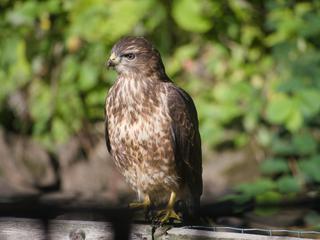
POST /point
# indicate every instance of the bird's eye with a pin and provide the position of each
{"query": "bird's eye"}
(129, 56)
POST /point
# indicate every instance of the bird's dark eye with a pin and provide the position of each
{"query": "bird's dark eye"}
(129, 56)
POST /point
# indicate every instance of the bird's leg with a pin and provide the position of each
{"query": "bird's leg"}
(169, 213)
(141, 205)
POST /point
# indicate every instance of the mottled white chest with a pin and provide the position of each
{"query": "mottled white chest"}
(134, 114)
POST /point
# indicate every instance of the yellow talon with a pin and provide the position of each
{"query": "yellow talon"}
(168, 213)
(141, 205)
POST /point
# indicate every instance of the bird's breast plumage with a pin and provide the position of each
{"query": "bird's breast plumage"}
(139, 129)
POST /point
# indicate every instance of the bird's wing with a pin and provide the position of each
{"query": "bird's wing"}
(186, 138)
(106, 133)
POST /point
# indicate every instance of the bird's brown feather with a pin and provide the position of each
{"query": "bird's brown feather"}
(187, 144)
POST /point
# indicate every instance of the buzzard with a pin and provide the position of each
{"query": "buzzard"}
(151, 130)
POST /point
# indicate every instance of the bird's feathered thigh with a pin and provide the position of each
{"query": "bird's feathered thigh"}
(144, 138)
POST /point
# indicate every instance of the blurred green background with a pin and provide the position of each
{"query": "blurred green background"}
(252, 68)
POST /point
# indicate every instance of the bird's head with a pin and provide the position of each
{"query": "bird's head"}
(135, 55)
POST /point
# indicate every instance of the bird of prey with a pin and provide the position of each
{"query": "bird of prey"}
(151, 130)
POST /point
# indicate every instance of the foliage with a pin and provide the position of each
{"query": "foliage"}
(251, 66)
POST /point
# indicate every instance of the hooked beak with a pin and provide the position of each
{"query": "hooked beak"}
(113, 60)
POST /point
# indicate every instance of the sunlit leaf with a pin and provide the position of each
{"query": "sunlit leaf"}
(41, 107)
(279, 109)
(269, 197)
(295, 120)
(107, 20)
(88, 76)
(189, 15)
(60, 130)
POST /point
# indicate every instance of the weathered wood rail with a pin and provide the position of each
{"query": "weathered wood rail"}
(38, 219)
(22, 228)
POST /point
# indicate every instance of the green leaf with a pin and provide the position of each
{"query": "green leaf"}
(60, 131)
(70, 69)
(96, 97)
(88, 76)
(266, 210)
(107, 21)
(295, 120)
(284, 110)
(264, 136)
(212, 132)
(304, 143)
(15, 66)
(182, 54)
(238, 198)
(156, 17)
(124, 16)
(282, 146)
(41, 106)
(232, 93)
(288, 184)
(269, 197)
(309, 101)
(69, 107)
(279, 109)
(23, 13)
(274, 166)
(226, 112)
(189, 15)
(258, 187)
(311, 168)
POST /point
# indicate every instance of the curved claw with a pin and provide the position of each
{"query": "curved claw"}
(165, 215)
